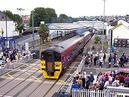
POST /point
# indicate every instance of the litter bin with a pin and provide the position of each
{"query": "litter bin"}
(35, 54)
(61, 94)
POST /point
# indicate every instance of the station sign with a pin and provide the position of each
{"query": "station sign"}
(121, 42)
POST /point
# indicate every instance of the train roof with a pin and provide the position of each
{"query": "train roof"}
(62, 46)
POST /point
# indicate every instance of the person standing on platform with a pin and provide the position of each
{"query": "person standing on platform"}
(104, 58)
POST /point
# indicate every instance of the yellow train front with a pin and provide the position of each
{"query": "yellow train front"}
(51, 64)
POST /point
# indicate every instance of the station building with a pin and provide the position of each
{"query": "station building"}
(120, 34)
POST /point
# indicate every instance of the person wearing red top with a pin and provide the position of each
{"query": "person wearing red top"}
(121, 78)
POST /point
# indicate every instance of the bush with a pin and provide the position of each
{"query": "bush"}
(97, 39)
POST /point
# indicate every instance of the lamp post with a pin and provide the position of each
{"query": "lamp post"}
(33, 27)
(103, 34)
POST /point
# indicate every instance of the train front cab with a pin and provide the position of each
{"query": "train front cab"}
(51, 64)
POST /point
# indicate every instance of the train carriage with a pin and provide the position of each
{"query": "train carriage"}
(56, 59)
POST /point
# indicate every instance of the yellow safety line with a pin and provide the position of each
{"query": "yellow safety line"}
(62, 81)
(36, 68)
(9, 75)
(36, 78)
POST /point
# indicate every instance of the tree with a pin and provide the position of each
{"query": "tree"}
(9, 14)
(47, 15)
(43, 32)
(62, 18)
(19, 27)
(51, 15)
(97, 39)
(17, 19)
(14, 17)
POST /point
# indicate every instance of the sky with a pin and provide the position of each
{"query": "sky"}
(74, 8)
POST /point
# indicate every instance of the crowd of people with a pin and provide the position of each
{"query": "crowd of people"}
(101, 81)
(8, 56)
(112, 60)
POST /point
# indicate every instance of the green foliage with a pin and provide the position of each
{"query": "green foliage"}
(43, 32)
(51, 15)
(62, 18)
(47, 15)
(14, 17)
(20, 27)
(43, 28)
(97, 39)
(105, 45)
(9, 14)
(17, 18)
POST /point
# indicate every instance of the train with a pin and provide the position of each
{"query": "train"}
(52, 34)
(57, 58)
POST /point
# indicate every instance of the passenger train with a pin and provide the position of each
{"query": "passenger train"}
(56, 59)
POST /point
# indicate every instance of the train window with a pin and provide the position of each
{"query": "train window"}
(49, 56)
(57, 56)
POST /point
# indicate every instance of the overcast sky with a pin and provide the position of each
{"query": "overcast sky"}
(74, 8)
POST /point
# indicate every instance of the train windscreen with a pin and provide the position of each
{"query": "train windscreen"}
(48, 56)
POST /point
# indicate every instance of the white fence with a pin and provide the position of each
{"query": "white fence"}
(110, 92)
(89, 93)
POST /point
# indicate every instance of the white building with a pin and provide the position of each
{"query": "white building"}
(120, 34)
(10, 29)
(6, 22)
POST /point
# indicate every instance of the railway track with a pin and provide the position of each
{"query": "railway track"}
(15, 76)
(9, 84)
(17, 84)
(14, 66)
